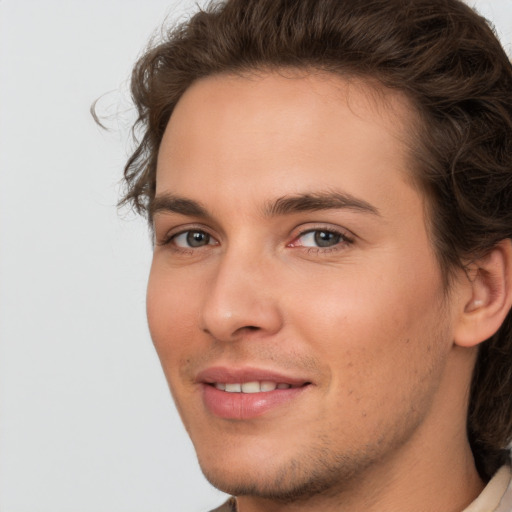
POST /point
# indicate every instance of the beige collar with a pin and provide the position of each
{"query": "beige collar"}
(497, 495)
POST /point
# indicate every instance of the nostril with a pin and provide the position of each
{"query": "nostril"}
(247, 329)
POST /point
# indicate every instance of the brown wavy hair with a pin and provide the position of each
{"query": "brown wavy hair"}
(443, 57)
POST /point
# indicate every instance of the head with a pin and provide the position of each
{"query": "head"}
(432, 75)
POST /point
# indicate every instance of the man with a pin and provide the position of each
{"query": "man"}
(330, 187)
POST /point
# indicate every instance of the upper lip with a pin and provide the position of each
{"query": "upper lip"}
(232, 375)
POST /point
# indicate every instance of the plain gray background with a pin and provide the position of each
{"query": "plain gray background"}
(86, 421)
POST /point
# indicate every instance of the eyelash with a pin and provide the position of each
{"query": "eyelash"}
(344, 240)
(171, 237)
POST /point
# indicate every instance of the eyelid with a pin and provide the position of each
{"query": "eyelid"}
(347, 236)
(175, 231)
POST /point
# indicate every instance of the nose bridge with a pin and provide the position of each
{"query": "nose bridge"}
(240, 296)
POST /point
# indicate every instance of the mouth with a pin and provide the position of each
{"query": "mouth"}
(243, 394)
(264, 386)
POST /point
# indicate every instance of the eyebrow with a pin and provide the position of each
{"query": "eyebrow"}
(316, 201)
(308, 202)
(171, 203)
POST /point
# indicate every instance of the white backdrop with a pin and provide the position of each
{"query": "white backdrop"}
(86, 420)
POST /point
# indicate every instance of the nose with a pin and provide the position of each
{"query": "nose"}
(241, 298)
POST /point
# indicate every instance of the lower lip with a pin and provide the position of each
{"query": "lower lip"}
(244, 406)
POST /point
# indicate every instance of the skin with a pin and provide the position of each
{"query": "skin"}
(367, 320)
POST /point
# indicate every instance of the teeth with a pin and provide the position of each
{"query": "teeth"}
(233, 388)
(268, 386)
(251, 387)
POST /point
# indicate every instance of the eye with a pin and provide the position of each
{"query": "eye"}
(193, 238)
(320, 238)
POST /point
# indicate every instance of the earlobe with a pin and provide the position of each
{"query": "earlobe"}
(489, 298)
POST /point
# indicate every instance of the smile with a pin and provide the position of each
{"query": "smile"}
(251, 387)
(248, 393)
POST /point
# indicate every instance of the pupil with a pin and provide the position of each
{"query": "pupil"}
(326, 239)
(197, 238)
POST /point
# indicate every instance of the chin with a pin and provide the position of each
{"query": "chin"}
(319, 472)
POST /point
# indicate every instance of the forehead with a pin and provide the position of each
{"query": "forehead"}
(282, 127)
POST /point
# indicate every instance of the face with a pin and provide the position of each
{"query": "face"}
(294, 298)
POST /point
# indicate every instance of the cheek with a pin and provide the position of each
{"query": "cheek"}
(374, 328)
(385, 357)
(169, 307)
(173, 331)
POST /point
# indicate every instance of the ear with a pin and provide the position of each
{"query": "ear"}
(488, 296)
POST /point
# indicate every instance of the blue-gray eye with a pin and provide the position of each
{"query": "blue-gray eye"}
(192, 238)
(320, 238)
